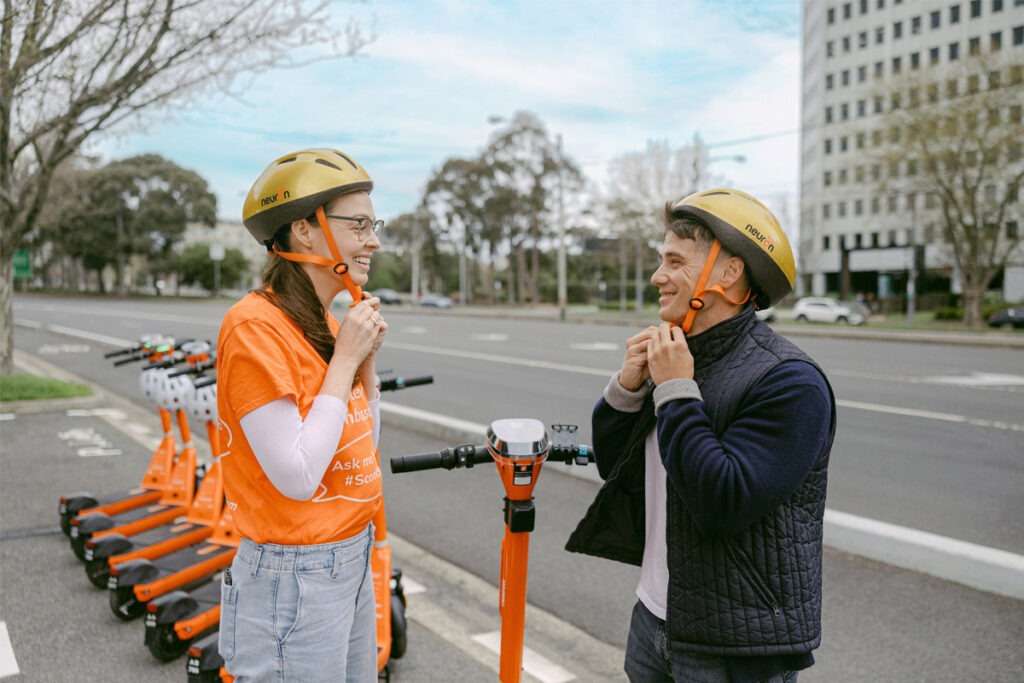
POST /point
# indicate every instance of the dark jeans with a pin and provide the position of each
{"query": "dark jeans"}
(648, 659)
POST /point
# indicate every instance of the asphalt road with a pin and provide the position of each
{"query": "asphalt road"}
(930, 436)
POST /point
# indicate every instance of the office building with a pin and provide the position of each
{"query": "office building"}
(864, 228)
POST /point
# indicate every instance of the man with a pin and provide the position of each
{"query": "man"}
(714, 439)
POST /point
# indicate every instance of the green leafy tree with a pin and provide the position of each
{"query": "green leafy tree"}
(194, 266)
(72, 70)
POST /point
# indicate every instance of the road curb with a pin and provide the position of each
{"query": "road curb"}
(980, 567)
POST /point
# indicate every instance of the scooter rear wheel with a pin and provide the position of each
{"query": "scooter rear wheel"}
(164, 643)
(124, 604)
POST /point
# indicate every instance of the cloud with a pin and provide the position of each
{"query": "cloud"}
(608, 76)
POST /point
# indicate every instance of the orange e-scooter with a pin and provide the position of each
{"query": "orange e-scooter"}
(170, 394)
(519, 448)
(156, 479)
(196, 522)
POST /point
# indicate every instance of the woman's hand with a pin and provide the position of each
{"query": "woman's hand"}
(360, 329)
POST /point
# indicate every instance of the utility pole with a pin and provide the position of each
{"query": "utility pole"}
(562, 289)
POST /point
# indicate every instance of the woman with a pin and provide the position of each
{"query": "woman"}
(298, 430)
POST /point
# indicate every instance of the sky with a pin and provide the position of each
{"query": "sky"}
(608, 76)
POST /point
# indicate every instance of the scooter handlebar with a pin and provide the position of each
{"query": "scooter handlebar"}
(465, 455)
(468, 455)
(396, 383)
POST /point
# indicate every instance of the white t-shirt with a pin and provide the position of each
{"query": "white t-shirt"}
(653, 587)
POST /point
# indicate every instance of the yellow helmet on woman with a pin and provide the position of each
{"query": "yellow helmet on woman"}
(293, 186)
(747, 229)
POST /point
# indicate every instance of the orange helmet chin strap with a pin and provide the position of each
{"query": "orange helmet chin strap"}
(699, 289)
(337, 265)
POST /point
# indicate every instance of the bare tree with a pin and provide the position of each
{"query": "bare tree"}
(72, 70)
(639, 184)
(952, 145)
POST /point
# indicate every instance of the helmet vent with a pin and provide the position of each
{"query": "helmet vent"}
(714, 193)
(286, 161)
(346, 158)
(327, 163)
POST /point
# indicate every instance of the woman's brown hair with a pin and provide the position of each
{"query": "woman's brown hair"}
(287, 286)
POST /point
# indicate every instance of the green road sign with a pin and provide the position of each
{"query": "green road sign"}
(22, 265)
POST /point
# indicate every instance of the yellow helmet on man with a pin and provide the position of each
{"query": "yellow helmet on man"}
(749, 230)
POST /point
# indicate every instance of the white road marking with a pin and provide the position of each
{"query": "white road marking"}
(929, 415)
(490, 336)
(410, 587)
(988, 569)
(538, 666)
(112, 413)
(54, 349)
(8, 664)
(6, 416)
(101, 338)
(594, 346)
(978, 379)
(92, 443)
(507, 360)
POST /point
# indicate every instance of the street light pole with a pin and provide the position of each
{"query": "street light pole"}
(562, 289)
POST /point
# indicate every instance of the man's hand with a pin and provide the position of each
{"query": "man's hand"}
(634, 366)
(668, 355)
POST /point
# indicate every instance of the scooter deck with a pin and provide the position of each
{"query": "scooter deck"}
(118, 501)
(131, 522)
(181, 568)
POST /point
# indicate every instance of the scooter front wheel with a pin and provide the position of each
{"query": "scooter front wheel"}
(164, 643)
(398, 627)
(125, 605)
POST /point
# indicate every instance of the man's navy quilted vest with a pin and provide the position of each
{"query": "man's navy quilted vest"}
(757, 592)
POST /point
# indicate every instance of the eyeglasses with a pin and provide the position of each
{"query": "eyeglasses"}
(366, 227)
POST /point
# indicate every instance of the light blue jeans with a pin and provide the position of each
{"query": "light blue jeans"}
(300, 613)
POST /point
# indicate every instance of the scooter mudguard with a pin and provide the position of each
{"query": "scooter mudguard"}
(107, 546)
(169, 608)
(133, 573)
(90, 523)
(73, 503)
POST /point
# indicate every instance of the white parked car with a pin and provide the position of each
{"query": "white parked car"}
(822, 309)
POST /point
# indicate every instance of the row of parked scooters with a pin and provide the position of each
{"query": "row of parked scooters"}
(159, 549)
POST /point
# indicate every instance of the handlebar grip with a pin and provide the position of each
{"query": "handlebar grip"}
(120, 352)
(465, 455)
(415, 463)
(396, 383)
(125, 361)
